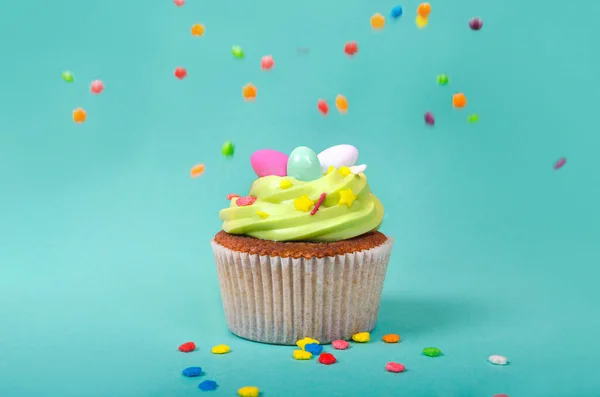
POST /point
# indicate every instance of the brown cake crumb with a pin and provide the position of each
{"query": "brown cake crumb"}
(294, 249)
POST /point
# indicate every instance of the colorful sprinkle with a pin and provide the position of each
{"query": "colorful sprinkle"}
(498, 360)
(429, 119)
(262, 214)
(560, 163)
(424, 10)
(323, 106)
(313, 348)
(285, 184)
(248, 391)
(391, 338)
(319, 202)
(443, 79)
(221, 349)
(237, 52)
(351, 48)
(96, 86)
(341, 103)
(501, 395)
(227, 149)
(330, 169)
(344, 171)
(358, 169)
(377, 21)
(432, 352)
(472, 118)
(197, 30)
(459, 100)
(179, 3)
(347, 197)
(197, 170)
(249, 92)
(79, 115)
(361, 337)
(396, 12)
(180, 73)
(267, 62)
(475, 24)
(421, 22)
(67, 76)
(340, 344)
(245, 201)
(192, 372)
(231, 196)
(208, 385)
(303, 203)
(187, 347)
(305, 341)
(395, 367)
(327, 359)
(302, 355)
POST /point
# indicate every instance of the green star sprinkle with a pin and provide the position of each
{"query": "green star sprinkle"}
(227, 149)
(67, 76)
(473, 118)
(442, 79)
(237, 52)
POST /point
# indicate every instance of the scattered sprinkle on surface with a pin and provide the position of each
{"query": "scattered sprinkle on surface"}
(432, 352)
(361, 337)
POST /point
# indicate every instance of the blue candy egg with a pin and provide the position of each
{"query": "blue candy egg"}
(396, 12)
(313, 348)
(304, 165)
(192, 372)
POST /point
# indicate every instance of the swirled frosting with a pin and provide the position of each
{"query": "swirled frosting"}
(283, 207)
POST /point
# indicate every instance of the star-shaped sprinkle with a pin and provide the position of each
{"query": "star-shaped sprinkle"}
(347, 197)
(285, 184)
(345, 171)
(303, 203)
(330, 170)
(262, 214)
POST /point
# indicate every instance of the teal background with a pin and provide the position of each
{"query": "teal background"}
(104, 238)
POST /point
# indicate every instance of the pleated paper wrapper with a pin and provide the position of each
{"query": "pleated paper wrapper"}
(278, 300)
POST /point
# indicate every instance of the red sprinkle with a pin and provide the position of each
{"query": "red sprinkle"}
(323, 107)
(351, 48)
(395, 367)
(180, 73)
(231, 196)
(245, 201)
(187, 347)
(314, 211)
(327, 359)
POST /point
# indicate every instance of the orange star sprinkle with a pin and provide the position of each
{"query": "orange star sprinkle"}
(197, 30)
(197, 170)
(249, 92)
(459, 100)
(424, 10)
(341, 103)
(377, 21)
(79, 115)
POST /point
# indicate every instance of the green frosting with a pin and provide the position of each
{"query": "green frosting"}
(282, 221)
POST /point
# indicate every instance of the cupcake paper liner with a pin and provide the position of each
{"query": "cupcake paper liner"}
(278, 300)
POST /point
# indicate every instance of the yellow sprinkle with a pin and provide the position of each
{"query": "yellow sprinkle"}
(421, 22)
(347, 197)
(285, 184)
(302, 355)
(248, 391)
(303, 203)
(221, 349)
(361, 337)
(330, 169)
(262, 214)
(345, 171)
(303, 342)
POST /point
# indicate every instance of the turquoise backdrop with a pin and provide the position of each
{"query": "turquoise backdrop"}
(105, 262)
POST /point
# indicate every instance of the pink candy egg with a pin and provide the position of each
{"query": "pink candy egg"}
(267, 162)
(97, 86)
(267, 62)
(179, 3)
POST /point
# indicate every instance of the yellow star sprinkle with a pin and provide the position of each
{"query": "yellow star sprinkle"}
(262, 214)
(285, 184)
(302, 355)
(330, 170)
(303, 203)
(345, 171)
(305, 341)
(347, 197)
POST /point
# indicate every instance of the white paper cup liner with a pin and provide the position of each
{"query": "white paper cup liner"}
(278, 300)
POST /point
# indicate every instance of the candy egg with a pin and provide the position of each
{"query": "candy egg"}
(304, 165)
(267, 162)
(338, 156)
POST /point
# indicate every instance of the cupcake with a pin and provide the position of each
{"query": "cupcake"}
(301, 254)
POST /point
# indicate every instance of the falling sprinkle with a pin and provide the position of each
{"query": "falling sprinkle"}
(237, 52)
(429, 119)
(421, 22)
(197, 170)
(67, 76)
(472, 118)
(319, 202)
(560, 163)
(475, 24)
(341, 103)
(443, 79)
(197, 30)
(79, 115)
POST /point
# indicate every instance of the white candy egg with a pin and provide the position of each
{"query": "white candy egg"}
(338, 156)
(498, 360)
